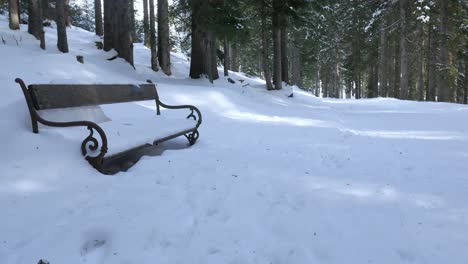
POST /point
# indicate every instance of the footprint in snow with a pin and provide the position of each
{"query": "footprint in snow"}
(94, 250)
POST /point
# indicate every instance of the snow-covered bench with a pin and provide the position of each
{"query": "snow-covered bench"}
(120, 139)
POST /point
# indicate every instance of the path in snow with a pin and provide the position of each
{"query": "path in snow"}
(272, 180)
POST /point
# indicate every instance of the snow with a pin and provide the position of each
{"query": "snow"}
(272, 179)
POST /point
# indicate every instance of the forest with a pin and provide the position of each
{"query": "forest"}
(407, 49)
(233, 131)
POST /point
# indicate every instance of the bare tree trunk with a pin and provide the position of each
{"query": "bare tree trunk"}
(372, 85)
(46, 10)
(265, 59)
(383, 80)
(420, 84)
(336, 75)
(227, 56)
(465, 94)
(13, 15)
(277, 69)
(164, 49)
(284, 55)
(154, 55)
(235, 57)
(403, 51)
(33, 13)
(359, 86)
(391, 71)
(18, 4)
(213, 65)
(460, 79)
(444, 87)
(118, 29)
(196, 62)
(62, 42)
(108, 24)
(146, 29)
(132, 22)
(396, 87)
(431, 64)
(98, 17)
(203, 55)
(35, 26)
(296, 78)
(67, 13)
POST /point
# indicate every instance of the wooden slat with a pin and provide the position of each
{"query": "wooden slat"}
(53, 96)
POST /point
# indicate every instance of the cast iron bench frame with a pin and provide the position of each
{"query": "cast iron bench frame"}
(57, 96)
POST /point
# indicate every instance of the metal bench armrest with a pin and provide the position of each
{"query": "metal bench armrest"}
(195, 113)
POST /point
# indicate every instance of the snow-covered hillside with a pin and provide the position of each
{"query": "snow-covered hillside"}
(272, 179)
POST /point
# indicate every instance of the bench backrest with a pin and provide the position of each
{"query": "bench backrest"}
(54, 96)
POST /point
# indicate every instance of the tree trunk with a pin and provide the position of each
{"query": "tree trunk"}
(396, 87)
(444, 87)
(213, 69)
(164, 49)
(227, 56)
(67, 13)
(62, 42)
(153, 43)
(403, 51)
(431, 64)
(46, 10)
(383, 80)
(420, 84)
(359, 86)
(98, 17)
(465, 94)
(18, 3)
(118, 29)
(33, 17)
(372, 85)
(127, 29)
(461, 79)
(35, 26)
(235, 57)
(131, 14)
(146, 29)
(336, 75)
(13, 15)
(203, 57)
(265, 59)
(108, 24)
(277, 70)
(296, 78)
(284, 55)
(196, 62)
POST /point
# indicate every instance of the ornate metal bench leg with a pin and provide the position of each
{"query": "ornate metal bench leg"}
(91, 144)
(192, 137)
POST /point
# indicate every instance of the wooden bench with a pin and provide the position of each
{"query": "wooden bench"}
(119, 132)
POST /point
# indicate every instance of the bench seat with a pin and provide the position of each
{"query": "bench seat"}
(117, 134)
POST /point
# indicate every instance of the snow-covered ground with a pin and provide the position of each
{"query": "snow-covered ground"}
(272, 179)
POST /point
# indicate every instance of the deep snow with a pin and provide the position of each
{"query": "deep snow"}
(272, 179)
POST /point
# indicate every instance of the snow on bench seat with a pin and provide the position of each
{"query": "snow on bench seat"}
(127, 125)
(126, 134)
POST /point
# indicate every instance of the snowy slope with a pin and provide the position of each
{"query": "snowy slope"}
(272, 179)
